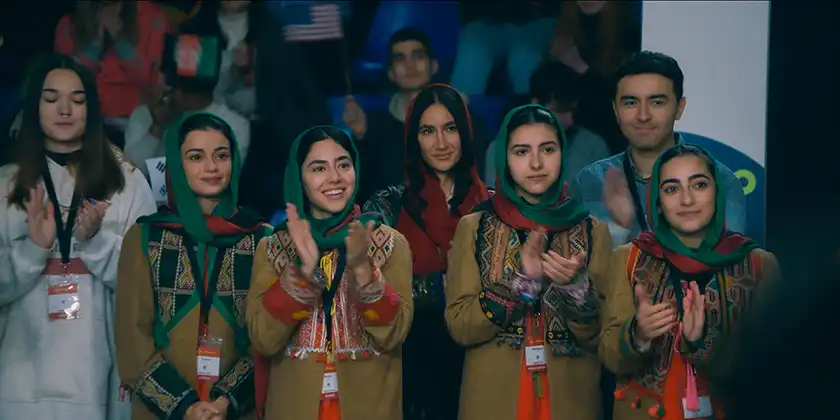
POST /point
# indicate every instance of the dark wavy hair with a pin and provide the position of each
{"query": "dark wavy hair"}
(205, 122)
(95, 166)
(451, 99)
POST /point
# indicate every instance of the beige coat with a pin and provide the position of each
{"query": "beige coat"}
(370, 386)
(492, 369)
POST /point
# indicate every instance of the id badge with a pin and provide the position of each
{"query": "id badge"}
(209, 359)
(329, 386)
(63, 301)
(535, 358)
(703, 411)
(535, 344)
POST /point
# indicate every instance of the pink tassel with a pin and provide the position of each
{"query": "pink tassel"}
(692, 403)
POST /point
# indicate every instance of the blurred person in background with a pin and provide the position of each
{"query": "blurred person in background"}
(237, 24)
(177, 94)
(71, 197)
(121, 42)
(592, 38)
(515, 31)
(177, 11)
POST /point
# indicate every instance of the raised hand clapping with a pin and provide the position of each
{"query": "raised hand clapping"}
(41, 218)
(305, 245)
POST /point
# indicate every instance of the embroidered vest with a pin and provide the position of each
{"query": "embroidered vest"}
(174, 280)
(349, 338)
(728, 296)
(497, 253)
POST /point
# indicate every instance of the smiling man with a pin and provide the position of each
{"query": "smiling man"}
(648, 101)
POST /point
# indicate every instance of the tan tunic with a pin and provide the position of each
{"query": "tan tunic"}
(137, 356)
(369, 369)
(647, 371)
(492, 369)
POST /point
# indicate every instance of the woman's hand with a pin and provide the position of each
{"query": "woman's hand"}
(305, 245)
(357, 242)
(40, 218)
(529, 255)
(90, 219)
(562, 270)
(694, 313)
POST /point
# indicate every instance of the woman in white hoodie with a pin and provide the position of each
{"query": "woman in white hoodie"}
(70, 198)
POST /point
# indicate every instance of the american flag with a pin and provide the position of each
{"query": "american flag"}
(313, 22)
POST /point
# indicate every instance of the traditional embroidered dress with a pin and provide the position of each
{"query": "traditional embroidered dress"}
(486, 314)
(185, 276)
(727, 268)
(62, 369)
(335, 354)
(432, 361)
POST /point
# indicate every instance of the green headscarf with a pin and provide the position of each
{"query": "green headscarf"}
(184, 210)
(554, 209)
(328, 233)
(719, 247)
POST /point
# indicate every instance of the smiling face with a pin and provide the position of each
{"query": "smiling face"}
(534, 156)
(329, 178)
(646, 108)
(687, 196)
(63, 107)
(440, 141)
(206, 158)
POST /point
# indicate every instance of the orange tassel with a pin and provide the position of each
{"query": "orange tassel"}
(620, 394)
(636, 403)
(654, 411)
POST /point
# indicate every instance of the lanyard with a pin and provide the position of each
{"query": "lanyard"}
(328, 296)
(206, 291)
(64, 233)
(641, 219)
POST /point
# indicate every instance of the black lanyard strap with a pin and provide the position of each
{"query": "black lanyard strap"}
(64, 232)
(641, 218)
(206, 292)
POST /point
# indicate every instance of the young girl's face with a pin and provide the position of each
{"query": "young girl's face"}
(329, 178)
(534, 159)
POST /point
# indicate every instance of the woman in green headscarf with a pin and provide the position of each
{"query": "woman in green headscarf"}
(182, 345)
(521, 284)
(678, 290)
(330, 303)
